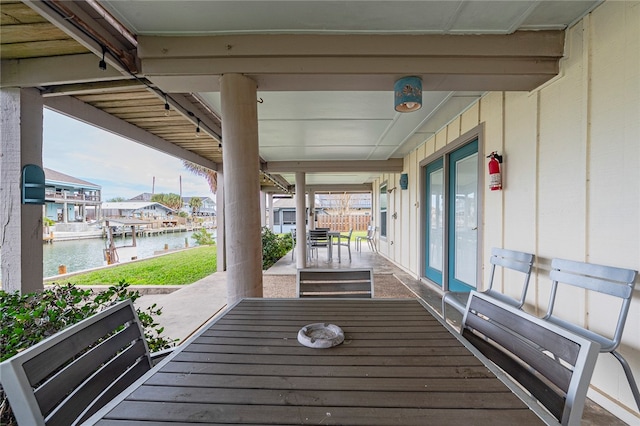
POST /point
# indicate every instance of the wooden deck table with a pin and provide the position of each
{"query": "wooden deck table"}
(399, 364)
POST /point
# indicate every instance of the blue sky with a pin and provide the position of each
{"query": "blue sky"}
(122, 167)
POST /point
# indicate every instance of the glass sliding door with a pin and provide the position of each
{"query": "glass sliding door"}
(451, 209)
(435, 222)
(463, 218)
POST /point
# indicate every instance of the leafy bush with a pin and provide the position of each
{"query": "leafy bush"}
(274, 246)
(203, 237)
(28, 319)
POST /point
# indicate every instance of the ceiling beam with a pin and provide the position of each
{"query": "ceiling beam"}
(362, 187)
(78, 24)
(91, 88)
(393, 165)
(72, 107)
(518, 61)
(56, 70)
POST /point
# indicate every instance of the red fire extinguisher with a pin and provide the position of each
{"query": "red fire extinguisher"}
(495, 177)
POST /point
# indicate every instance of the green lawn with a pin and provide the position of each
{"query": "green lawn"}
(183, 267)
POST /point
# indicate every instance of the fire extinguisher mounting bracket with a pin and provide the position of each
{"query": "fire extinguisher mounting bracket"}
(495, 155)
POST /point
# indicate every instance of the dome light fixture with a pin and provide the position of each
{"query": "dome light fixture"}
(407, 93)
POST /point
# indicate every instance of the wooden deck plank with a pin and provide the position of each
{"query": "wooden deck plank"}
(401, 399)
(324, 360)
(294, 414)
(328, 371)
(299, 350)
(291, 341)
(437, 384)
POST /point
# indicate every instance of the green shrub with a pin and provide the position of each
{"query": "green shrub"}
(203, 237)
(274, 246)
(28, 319)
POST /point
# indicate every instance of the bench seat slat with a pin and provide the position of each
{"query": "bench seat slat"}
(335, 283)
(553, 401)
(84, 395)
(45, 363)
(531, 355)
(540, 335)
(55, 389)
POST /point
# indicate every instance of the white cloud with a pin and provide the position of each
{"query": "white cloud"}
(122, 167)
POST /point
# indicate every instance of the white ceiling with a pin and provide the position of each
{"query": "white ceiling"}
(349, 125)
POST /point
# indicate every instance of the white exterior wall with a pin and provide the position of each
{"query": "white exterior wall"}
(571, 177)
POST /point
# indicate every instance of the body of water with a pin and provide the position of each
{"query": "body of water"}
(78, 255)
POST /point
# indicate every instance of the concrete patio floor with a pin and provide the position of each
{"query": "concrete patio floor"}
(186, 310)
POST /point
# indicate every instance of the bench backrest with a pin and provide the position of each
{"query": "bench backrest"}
(514, 260)
(67, 377)
(335, 283)
(612, 281)
(552, 363)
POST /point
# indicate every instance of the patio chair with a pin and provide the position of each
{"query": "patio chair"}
(370, 238)
(316, 239)
(509, 259)
(67, 377)
(607, 280)
(345, 241)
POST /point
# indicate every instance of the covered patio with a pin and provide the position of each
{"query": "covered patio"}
(301, 101)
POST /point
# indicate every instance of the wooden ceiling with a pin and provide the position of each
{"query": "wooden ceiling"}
(26, 34)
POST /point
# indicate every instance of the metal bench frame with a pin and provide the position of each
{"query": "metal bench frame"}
(552, 363)
(509, 259)
(612, 281)
(334, 283)
(65, 378)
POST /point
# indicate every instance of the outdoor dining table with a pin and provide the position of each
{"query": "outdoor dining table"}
(398, 364)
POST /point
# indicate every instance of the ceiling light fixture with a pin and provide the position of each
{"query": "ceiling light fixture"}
(198, 129)
(407, 93)
(167, 108)
(102, 64)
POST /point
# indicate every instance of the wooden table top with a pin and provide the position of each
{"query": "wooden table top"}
(397, 365)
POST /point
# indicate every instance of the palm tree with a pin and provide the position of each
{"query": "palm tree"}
(171, 200)
(210, 175)
(195, 203)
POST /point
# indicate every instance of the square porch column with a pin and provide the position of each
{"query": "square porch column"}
(20, 224)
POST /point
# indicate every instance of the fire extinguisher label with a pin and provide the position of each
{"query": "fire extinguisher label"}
(495, 181)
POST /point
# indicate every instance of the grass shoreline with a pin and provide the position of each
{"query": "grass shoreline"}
(176, 268)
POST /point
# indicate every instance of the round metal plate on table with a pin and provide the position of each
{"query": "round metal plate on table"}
(320, 335)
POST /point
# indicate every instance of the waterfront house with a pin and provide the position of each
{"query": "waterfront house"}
(137, 210)
(208, 207)
(307, 98)
(70, 199)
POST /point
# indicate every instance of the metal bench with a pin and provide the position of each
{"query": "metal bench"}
(552, 363)
(334, 283)
(67, 377)
(605, 280)
(507, 259)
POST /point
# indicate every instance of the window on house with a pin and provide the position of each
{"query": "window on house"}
(383, 210)
(289, 217)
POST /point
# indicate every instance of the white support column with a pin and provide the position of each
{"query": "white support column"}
(270, 210)
(312, 209)
(242, 186)
(301, 217)
(20, 224)
(221, 252)
(263, 209)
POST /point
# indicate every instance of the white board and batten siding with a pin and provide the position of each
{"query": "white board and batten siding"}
(571, 178)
